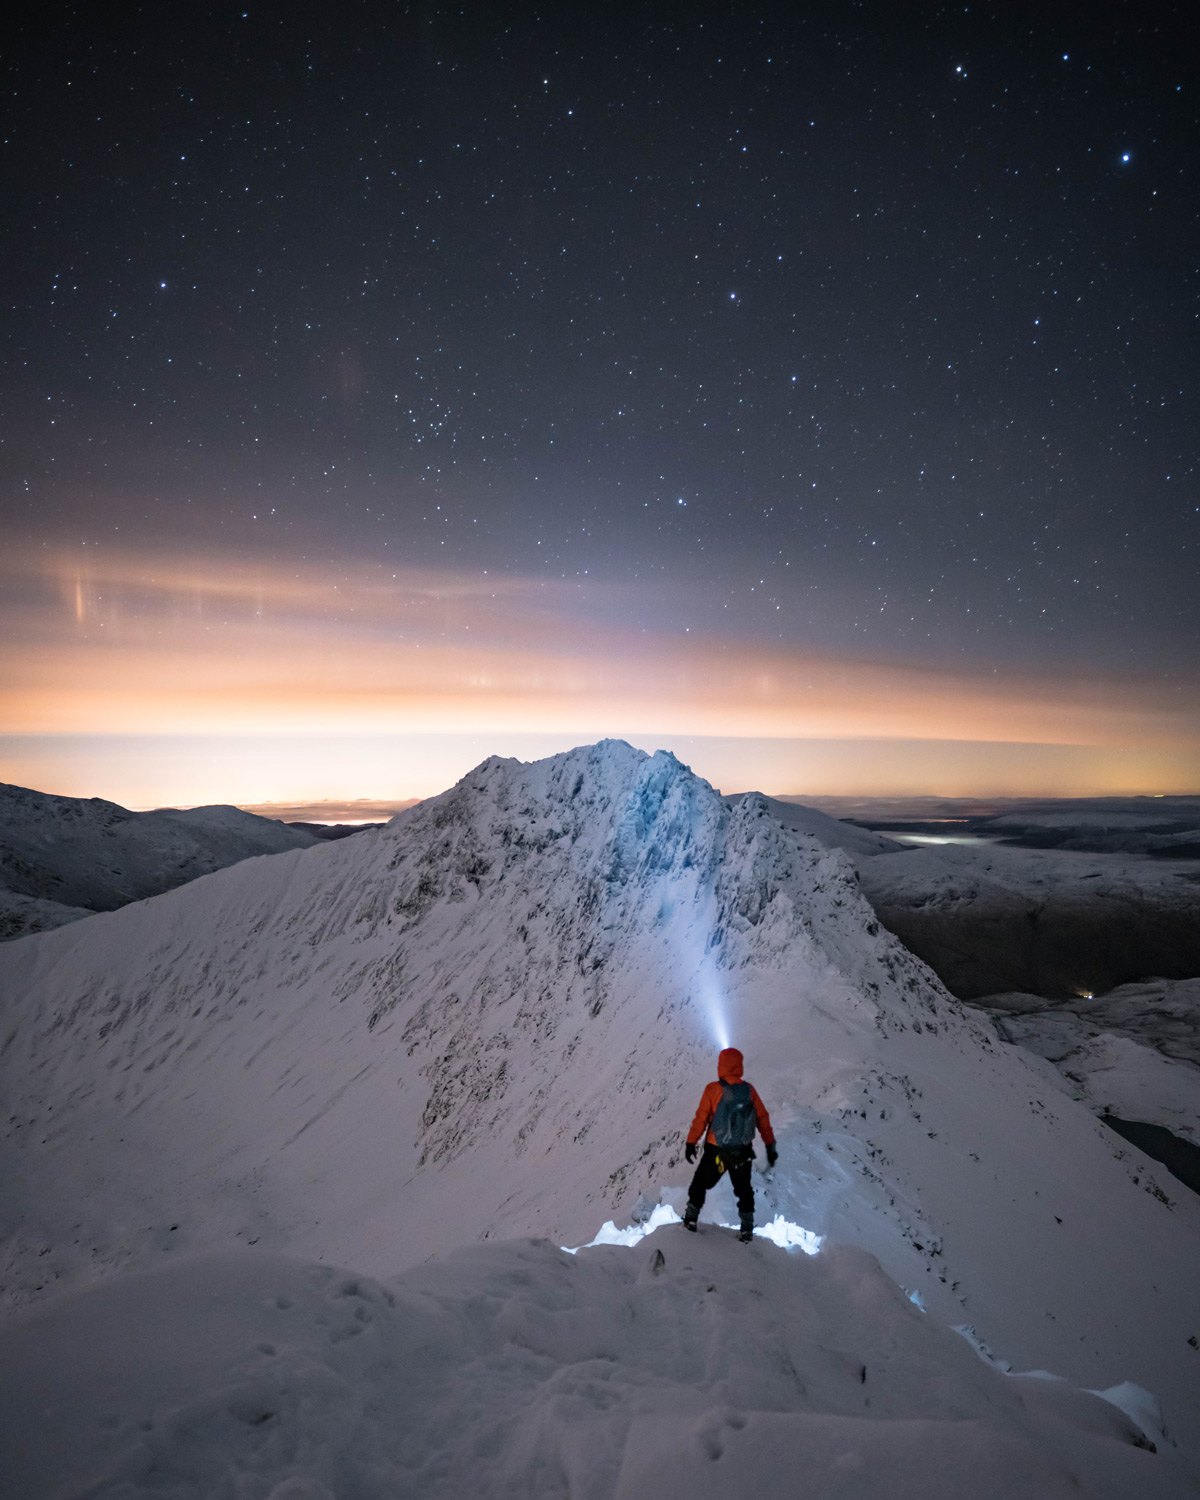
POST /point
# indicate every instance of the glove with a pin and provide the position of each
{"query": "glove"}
(772, 1156)
(689, 1151)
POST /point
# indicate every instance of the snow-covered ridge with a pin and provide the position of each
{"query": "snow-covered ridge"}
(832, 832)
(62, 858)
(493, 1017)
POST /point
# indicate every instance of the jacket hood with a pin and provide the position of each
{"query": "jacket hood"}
(729, 1066)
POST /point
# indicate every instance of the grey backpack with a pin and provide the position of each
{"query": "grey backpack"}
(734, 1122)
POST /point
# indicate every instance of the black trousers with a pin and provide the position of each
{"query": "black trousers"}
(712, 1167)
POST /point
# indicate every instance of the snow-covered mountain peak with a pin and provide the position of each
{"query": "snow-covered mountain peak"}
(572, 796)
(494, 1017)
(636, 851)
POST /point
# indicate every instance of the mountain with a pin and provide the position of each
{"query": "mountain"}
(831, 832)
(21, 915)
(62, 858)
(493, 1017)
(990, 919)
(1167, 827)
(333, 830)
(1133, 1053)
(1114, 814)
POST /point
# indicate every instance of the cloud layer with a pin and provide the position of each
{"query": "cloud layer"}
(111, 642)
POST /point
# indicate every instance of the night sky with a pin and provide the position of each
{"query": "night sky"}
(808, 388)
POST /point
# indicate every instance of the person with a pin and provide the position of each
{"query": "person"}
(730, 1112)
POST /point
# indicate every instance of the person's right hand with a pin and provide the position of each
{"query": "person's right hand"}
(689, 1151)
(772, 1156)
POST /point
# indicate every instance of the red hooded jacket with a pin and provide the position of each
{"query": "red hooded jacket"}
(729, 1070)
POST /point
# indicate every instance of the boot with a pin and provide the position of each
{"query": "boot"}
(690, 1214)
(746, 1233)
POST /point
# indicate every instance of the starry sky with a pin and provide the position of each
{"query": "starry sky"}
(806, 388)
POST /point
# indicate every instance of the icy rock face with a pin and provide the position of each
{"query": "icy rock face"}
(494, 1017)
(62, 858)
(1053, 923)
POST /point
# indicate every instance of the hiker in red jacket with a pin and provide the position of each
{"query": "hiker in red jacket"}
(730, 1111)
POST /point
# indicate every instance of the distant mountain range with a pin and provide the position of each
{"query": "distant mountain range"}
(63, 858)
(355, 812)
(1164, 827)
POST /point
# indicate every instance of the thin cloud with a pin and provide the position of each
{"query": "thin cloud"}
(123, 642)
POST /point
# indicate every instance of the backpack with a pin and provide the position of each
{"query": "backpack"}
(734, 1122)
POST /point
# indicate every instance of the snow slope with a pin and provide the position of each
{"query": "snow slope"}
(493, 1017)
(1133, 1053)
(1159, 1013)
(1049, 922)
(62, 858)
(21, 915)
(689, 1368)
(831, 832)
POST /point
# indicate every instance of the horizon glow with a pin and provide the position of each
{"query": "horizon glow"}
(216, 649)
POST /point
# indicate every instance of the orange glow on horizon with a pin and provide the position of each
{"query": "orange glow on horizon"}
(121, 644)
(297, 680)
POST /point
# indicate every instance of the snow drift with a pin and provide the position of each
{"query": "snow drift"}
(687, 1369)
(493, 1018)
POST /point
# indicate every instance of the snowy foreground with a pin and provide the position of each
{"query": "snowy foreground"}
(689, 1366)
(491, 1020)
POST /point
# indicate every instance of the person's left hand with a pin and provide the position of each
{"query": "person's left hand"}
(689, 1151)
(772, 1156)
